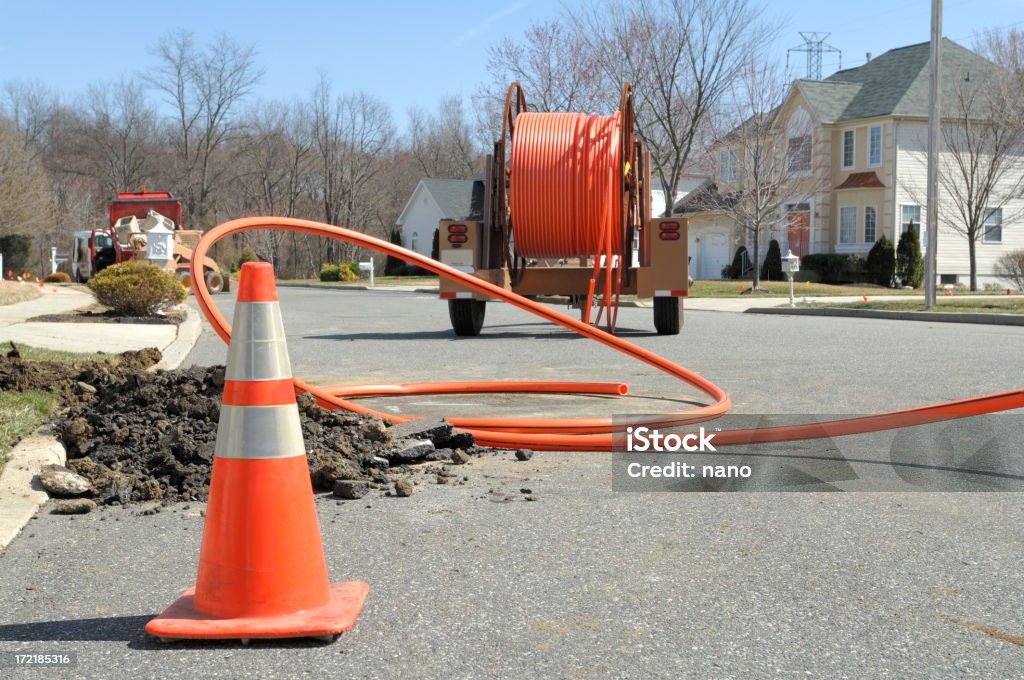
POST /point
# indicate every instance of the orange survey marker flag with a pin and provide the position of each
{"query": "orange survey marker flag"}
(262, 572)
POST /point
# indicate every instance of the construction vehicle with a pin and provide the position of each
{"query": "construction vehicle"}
(132, 214)
(570, 167)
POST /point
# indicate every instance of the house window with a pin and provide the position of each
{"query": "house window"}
(993, 227)
(849, 139)
(848, 225)
(414, 241)
(910, 218)
(875, 145)
(727, 159)
(798, 154)
(870, 223)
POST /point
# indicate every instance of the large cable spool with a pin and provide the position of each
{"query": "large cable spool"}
(565, 188)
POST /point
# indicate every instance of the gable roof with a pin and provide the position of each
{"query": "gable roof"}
(893, 84)
(458, 199)
(454, 196)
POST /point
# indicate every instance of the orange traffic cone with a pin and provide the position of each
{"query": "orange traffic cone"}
(262, 572)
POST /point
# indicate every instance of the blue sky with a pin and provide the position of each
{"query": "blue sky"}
(406, 53)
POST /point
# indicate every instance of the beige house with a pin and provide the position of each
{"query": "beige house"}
(861, 135)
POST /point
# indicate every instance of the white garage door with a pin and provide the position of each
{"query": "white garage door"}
(714, 254)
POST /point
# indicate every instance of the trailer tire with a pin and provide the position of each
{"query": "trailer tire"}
(214, 281)
(667, 315)
(467, 316)
(186, 279)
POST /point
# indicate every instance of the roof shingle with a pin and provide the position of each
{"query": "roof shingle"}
(893, 84)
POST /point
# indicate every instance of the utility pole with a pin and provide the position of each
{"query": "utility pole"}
(931, 261)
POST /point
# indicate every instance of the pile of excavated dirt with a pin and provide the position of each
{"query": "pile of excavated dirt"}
(70, 380)
(143, 436)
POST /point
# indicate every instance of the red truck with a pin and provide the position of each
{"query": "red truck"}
(132, 214)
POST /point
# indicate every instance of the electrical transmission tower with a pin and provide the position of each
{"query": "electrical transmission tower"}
(814, 45)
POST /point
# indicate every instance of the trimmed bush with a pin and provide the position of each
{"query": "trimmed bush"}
(349, 271)
(881, 262)
(57, 277)
(835, 268)
(1011, 267)
(736, 268)
(772, 268)
(330, 272)
(137, 288)
(909, 263)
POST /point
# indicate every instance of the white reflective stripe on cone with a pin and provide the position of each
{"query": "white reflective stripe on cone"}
(259, 432)
(258, 350)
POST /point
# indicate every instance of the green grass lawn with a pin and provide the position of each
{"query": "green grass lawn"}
(20, 414)
(23, 412)
(945, 304)
(29, 353)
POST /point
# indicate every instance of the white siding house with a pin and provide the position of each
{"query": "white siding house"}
(432, 201)
(911, 192)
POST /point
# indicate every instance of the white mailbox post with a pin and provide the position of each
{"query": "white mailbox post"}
(160, 245)
(367, 266)
(790, 265)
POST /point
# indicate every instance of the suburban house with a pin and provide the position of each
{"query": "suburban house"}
(859, 141)
(434, 200)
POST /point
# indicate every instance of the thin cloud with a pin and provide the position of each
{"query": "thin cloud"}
(475, 31)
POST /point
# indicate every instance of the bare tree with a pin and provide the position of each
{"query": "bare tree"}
(442, 144)
(117, 136)
(765, 156)
(1004, 47)
(275, 157)
(682, 57)
(29, 107)
(350, 135)
(556, 67)
(204, 86)
(25, 195)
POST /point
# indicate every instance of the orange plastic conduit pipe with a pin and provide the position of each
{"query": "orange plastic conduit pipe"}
(567, 434)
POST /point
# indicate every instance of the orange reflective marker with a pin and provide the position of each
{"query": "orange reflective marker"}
(865, 298)
(262, 572)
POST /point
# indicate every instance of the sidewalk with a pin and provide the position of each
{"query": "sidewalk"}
(77, 337)
(747, 302)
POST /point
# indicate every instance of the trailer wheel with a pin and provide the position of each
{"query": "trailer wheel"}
(214, 281)
(186, 279)
(467, 316)
(666, 315)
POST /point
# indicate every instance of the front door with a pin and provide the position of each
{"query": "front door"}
(798, 221)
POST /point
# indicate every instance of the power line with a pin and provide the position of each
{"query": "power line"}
(814, 45)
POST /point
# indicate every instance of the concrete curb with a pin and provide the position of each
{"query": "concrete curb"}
(20, 493)
(934, 317)
(174, 354)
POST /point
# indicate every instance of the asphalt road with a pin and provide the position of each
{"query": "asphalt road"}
(586, 581)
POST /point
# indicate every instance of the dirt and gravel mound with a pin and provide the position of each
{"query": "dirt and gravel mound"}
(145, 436)
(19, 375)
